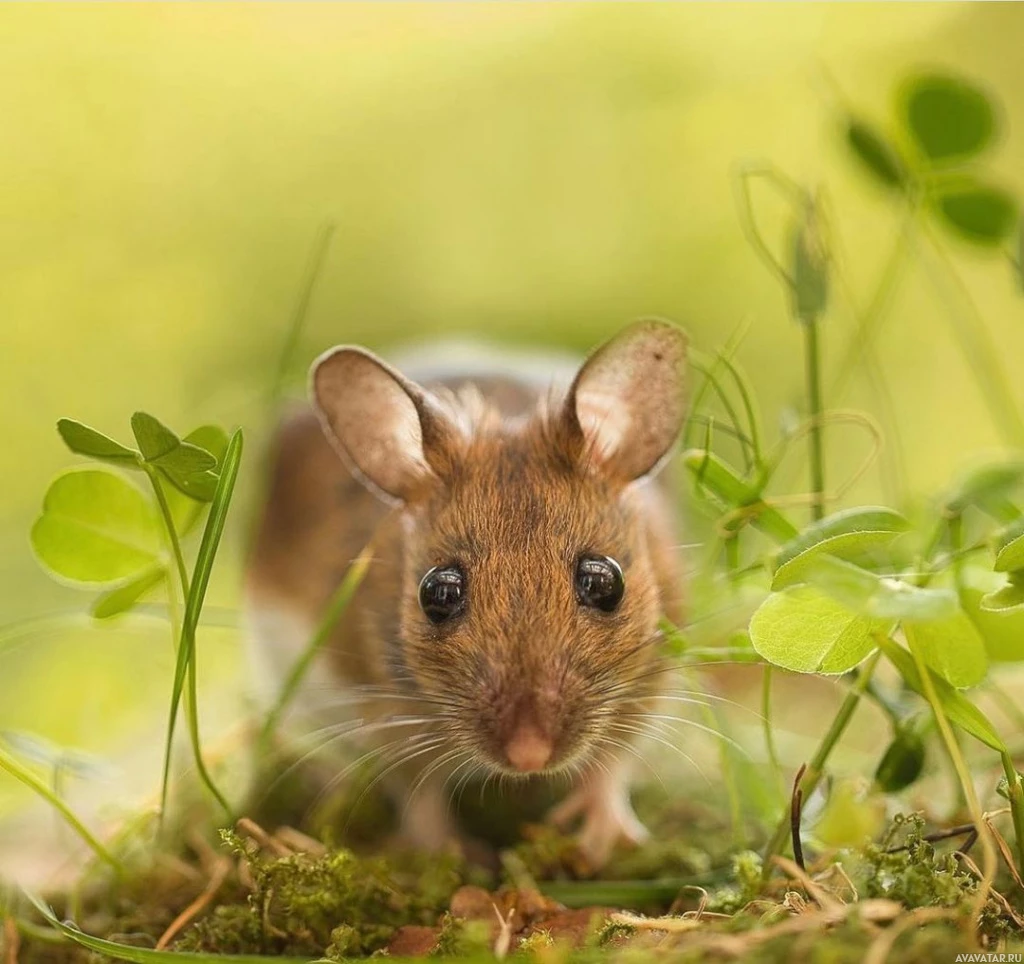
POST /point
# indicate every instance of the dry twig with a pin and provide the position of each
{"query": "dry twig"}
(217, 878)
(883, 944)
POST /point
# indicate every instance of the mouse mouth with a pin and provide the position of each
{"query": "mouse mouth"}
(539, 733)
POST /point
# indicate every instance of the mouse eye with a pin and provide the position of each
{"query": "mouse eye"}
(599, 583)
(442, 593)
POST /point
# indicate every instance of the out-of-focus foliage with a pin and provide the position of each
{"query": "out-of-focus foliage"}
(538, 174)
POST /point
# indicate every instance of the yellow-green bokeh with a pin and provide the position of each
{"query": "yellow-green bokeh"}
(531, 172)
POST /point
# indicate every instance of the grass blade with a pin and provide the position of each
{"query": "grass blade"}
(338, 604)
(625, 893)
(193, 608)
(298, 321)
(146, 955)
(17, 770)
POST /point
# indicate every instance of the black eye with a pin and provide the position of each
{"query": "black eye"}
(599, 583)
(442, 593)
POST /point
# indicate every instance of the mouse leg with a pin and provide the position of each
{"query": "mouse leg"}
(602, 801)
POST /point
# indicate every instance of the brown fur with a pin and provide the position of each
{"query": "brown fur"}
(514, 495)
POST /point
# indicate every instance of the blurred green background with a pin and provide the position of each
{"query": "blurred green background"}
(537, 173)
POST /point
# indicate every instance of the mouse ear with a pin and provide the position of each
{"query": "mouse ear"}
(627, 403)
(387, 428)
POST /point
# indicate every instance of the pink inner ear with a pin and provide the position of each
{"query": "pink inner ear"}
(373, 420)
(605, 422)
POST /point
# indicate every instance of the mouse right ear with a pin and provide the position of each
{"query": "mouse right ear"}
(628, 401)
(386, 427)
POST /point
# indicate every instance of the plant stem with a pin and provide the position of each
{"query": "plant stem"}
(298, 321)
(26, 776)
(171, 532)
(191, 696)
(766, 722)
(867, 321)
(1016, 794)
(977, 344)
(963, 773)
(736, 429)
(812, 360)
(713, 722)
(193, 729)
(884, 704)
(339, 601)
(815, 769)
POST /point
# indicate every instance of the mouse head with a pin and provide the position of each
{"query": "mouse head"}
(532, 552)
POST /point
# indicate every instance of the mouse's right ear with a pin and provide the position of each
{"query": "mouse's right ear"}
(387, 428)
(628, 401)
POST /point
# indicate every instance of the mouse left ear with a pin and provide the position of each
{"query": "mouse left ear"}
(628, 401)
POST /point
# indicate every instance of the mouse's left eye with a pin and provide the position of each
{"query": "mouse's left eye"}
(443, 593)
(599, 583)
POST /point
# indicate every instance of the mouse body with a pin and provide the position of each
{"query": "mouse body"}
(523, 554)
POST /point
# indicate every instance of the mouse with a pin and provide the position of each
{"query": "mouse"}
(523, 549)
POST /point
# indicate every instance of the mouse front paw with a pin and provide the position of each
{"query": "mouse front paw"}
(607, 819)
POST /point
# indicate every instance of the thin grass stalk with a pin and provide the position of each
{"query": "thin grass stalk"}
(16, 769)
(335, 608)
(816, 768)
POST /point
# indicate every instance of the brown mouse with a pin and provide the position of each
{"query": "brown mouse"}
(522, 558)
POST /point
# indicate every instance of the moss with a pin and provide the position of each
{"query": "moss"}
(538, 939)
(847, 943)
(613, 932)
(905, 867)
(462, 938)
(746, 884)
(337, 904)
(916, 875)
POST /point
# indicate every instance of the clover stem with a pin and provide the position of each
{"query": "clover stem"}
(714, 722)
(869, 320)
(963, 773)
(766, 722)
(189, 696)
(812, 357)
(976, 342)
(172, 532)
(816, 768)
(1015, 792)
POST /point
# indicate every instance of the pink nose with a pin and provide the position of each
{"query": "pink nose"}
(528, 750)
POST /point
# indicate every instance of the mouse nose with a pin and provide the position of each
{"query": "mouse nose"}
(528, 750)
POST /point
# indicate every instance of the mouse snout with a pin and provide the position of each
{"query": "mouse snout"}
(528, 749)
(527, 719)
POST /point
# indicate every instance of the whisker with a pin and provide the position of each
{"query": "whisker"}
(401, 761)
(432, 768)
(633, 750)
(359, 725)
(686, 756)
(704, 728)
(351, 728)
(716, 699)
(460, 787)
(385, 751)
